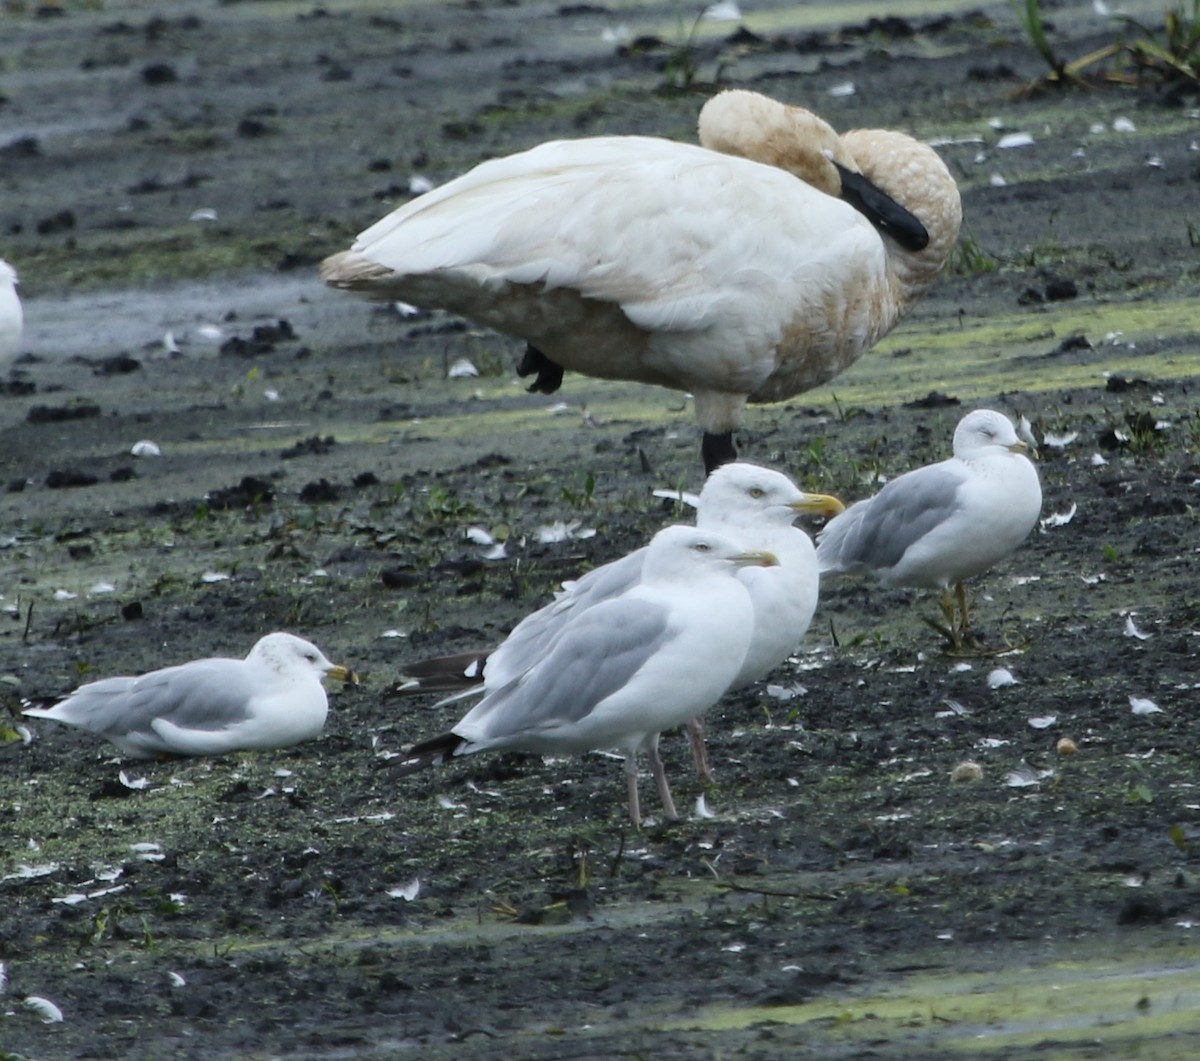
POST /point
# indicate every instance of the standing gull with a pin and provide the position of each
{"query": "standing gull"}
(754, 506)
(939, 525)
(754, 267)
(271, 699)
(11, 317)
(619, 673)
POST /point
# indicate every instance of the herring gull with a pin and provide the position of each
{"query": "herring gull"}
(11, 317)
(753, 505)
(271, 699)
(620, 672)
(937, 526)
(753, 267)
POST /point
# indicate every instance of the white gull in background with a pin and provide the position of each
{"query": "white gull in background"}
(620, 672)
(11, 317)
(754, 267)
(271, 699)
(753, 505)
(939, 525)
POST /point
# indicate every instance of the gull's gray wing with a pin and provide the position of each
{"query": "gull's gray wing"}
(595, 655)
(207, 694)
(531, 637)
(874, 535)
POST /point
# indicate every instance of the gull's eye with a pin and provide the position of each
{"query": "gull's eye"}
(757, 491)
(702, 547)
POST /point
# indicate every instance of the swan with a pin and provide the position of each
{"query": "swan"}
(752, 267)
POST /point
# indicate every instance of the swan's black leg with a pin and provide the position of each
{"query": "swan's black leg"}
(549, 375)
(717, 450)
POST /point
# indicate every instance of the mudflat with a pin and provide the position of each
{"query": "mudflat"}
(171, 175)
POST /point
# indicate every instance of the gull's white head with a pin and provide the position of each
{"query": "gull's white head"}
(291, 655)
(742, 495)
(681, 553)
(985, 432)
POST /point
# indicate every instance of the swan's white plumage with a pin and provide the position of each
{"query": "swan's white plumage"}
(271, 699)
(12, 318)
(691, 267)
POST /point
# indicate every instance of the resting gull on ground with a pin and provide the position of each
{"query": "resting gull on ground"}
(754, 267)
(619, 673)
(939, 525)
(754, 506)
(11, 317)
(271, 699)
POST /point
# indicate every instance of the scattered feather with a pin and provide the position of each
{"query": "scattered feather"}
(723, 11)
(786, 692)
(954, 709)
(271, 395)
(419, 185)
(3, 977)
(479, 536)
(205, 213)
(169, 343)
(463, 368)
(1059, 441)
(1123, 125)
(406, 309)
(25, 871)
(685, 496)
(44, 1008)
(214, 576)
(702, 810)
(1131, 629)
(1026, 776)
(135, 783)
(102, 588)
(145, 448)
(1025, 431)
(960, 666)
(558, 531)
(176, 980)
(1000, 677)
(1098, 460)
(996, 180)
(1010, 140)
(211, 333)
(1059, 519)
(1043, 721)
(64, 594)
(1140, 705)
(845, 88)
(495, 552)
(408, 892)
(446, 803)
